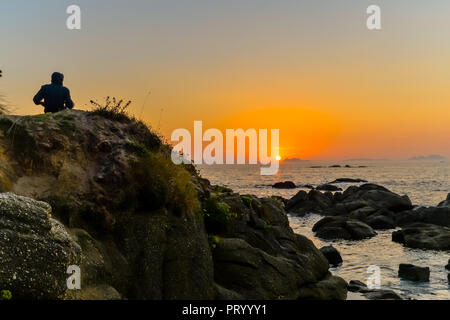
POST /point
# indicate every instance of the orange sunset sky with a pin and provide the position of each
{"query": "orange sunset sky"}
(309, 68)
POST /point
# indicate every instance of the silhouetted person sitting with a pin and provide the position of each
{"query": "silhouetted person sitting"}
(55, 96)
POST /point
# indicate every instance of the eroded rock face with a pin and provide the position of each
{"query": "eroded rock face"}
(35, 250)
(446, 202)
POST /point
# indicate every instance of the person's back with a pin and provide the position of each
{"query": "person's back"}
(54, 97)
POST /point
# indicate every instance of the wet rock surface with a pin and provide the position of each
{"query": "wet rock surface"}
(332, 254)
(414, 273)
(423, 236)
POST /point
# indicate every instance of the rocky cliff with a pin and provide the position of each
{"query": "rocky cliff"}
(86, 188)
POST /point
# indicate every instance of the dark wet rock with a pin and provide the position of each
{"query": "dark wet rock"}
(359, 202)
(328, 187)
(284, 185)
(372, 294)
(342, 228)
(448, 265)
(380, 222)
(306, 186)
(313, 201)
(433, 215)
(382, 295)
(335, 166)
(332, 254)
(348, 180)
(414, 273)
(423, 236)
(330, 288)
(35, 250)
(446, 202)
(356, 286)
(271, 262)
(143, 225)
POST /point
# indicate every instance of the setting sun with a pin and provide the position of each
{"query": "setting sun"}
(278, 158)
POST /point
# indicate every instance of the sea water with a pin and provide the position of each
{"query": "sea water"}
(426, 183)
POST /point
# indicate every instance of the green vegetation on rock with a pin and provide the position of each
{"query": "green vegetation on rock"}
(217, 214)
(5, 295)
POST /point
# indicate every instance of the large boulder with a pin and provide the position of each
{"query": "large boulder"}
(342, 228)
(423, 236)
(35, 249)
(258, 255)
(377, 197)
(357, 201)
(372, 294)
(446, 202)
(348, 180)
(314, 201)
(328, 187)
(434, 215)
(284, 185)
(111, 181)
(414, 273)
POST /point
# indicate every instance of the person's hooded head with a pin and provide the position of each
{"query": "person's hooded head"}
(57, 78)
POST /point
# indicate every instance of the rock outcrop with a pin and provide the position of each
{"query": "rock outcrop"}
(369, 203)
(257, 254)
(284, 185)
(332, 254)
(446, 202)
(113, 179)
(432, 215)
(35, 249)
(145, 228)
(328, 187)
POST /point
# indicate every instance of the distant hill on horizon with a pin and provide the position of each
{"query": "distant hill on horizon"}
(435, 157)
(367, 159)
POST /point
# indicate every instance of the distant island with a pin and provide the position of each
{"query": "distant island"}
(433, 157)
